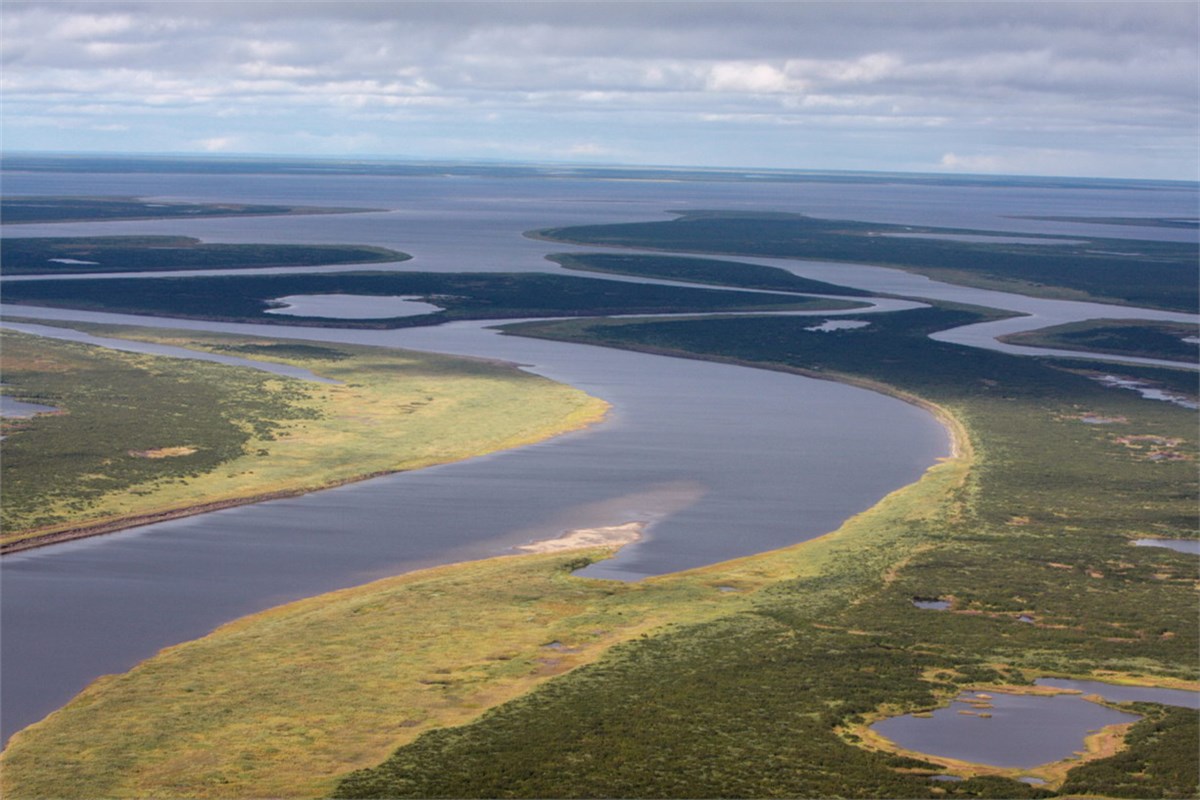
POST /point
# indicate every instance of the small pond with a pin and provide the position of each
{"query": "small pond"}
(19, 408)
(351, 306)
(839, 325)
(1004, 730)
(932, 605)
(1147, 391)
(1181, 545)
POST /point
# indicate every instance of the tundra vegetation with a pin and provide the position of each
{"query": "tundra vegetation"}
(699, 270)
(98, 254)
(510, 678)
(485, 295)
(1143, 273)
(138, 437)
(1126, 337)
(29, 209)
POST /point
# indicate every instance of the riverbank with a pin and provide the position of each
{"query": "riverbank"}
(249, 436)
(285, 702)
(1041, 527)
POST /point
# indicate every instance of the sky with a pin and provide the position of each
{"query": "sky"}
(1098, 89)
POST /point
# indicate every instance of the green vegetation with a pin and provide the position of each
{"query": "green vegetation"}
(1041, 528)
(490, 295)
(15, 210)
(139, 437)
(284, 702)
(700, 270)
(677, 687)
(1159, 759)
(96, 254)
(1126, 337)
(1143, 273)
(1186, 223)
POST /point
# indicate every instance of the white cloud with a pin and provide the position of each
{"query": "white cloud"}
(749, 77)
(216, 144)
(979, 79)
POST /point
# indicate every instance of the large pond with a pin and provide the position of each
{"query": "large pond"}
(1023, 730)
(1004, 730)
(723, 461)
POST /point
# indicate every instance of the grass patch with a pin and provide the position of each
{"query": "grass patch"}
(143, 436)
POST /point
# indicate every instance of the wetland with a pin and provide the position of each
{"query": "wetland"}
(658, 674)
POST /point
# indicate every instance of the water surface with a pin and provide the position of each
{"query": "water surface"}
(767, 459)
(753, 445)
(1022, 731)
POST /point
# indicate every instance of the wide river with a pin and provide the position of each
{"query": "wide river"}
(723, 461)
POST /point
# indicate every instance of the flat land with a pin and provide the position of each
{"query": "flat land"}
(138, 438)
(699, 270)
(100, 254)
(490, 295)
(1185, 223)
(740, 679)
(1126, 337)
(33, 209)
(1126, 271)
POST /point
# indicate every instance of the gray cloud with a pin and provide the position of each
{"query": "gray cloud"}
(969, 75)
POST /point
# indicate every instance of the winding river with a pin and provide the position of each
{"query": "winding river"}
(722, 461)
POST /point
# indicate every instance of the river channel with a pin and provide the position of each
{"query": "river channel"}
(722, 461)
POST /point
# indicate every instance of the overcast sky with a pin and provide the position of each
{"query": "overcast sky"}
(1076, 88)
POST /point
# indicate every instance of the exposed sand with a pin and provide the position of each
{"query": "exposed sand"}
(583, 538)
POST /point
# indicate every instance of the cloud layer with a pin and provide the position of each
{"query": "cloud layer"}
(1067, 88)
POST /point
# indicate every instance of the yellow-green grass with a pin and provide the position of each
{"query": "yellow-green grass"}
(390, 410)
(284, 702)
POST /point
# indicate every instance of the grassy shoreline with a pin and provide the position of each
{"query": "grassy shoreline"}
(657, 680)
(390, 411)
(537, 623)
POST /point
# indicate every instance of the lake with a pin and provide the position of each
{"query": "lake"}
(1019, 730)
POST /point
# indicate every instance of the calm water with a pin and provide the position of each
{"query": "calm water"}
(1126, 694)
(776, 458)
(1023, 730)
(723, 461)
